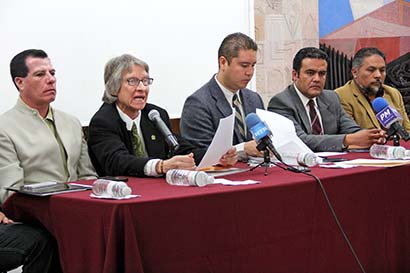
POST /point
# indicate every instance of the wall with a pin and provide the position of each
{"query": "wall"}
(282, 27)
(179, 40)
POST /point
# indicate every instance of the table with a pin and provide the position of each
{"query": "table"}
(280, 225)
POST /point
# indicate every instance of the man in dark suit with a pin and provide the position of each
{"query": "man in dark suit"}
(225, 91)
(21, 244)
(317, 114)
(122, 140)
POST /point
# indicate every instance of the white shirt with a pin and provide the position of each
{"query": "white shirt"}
(150, 167)
(305, 101)
(229, 96)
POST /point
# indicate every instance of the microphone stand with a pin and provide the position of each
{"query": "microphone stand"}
(266, 162)
(392, 135)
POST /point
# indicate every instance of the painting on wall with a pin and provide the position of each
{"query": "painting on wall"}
(348, 26)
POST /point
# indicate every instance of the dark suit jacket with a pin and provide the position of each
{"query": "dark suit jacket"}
(336, 123)
(204, 108)
(110, 144)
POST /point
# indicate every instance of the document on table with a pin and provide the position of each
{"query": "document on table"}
(374, 162)
(221, 142)
(284, 136)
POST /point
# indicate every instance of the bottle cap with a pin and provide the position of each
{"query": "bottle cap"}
(203, 179)
(126, 191)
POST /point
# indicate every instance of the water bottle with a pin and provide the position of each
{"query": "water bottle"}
(302, 159)
(387, 152)
(188, 178)
(110, 188)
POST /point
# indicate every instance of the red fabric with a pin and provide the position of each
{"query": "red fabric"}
(281, 225)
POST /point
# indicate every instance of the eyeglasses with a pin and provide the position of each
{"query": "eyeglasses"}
(136, 81)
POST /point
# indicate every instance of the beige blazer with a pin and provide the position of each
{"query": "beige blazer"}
(357, 106)
(29, 152)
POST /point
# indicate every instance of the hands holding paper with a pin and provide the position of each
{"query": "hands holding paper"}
(229, 158)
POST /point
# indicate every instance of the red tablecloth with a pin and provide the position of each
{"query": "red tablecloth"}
(281, 225)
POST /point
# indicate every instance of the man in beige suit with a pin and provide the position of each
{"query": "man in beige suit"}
(356, 96)
(37, 142)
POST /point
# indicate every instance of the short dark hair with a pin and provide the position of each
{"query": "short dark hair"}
(234, 42)
(18, 66)
(364, 53)
(308, 52)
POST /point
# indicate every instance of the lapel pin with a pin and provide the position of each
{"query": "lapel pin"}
(153, 137)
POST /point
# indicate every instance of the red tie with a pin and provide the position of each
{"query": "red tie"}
(314, 119)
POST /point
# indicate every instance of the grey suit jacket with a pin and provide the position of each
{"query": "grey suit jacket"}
(336, 123)
(29, 152)
(204, 108)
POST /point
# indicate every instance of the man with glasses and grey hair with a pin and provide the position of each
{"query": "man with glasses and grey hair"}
(122, 138)
(356, 96)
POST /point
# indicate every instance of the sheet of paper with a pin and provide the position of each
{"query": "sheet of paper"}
(284, 136)
(374, 162)
(227, 182)
(221, 142)
(326, 154)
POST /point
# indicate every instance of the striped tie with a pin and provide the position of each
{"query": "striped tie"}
(314, 119)
(136, 142)
(239, 118)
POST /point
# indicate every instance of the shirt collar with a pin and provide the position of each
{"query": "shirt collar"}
(50, 114)
(228, 94)
(22, 106)
(128, 121)
(303, 98)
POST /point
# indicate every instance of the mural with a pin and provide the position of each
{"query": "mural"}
(346, 26)
(350, 25)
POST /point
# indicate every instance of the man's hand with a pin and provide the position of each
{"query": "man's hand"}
(185, 162)
(365, 138)
(229, 158)
(4, 219)
(250, 149)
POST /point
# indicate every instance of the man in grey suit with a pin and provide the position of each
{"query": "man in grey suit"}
(225, 91)
(317, 114)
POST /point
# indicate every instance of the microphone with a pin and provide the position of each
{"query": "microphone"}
(261, 134)
(389, 118)
(154, 116)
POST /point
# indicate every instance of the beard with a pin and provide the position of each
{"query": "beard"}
(371, 90)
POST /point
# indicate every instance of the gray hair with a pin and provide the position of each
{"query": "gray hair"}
(113, 74)
(365, 52)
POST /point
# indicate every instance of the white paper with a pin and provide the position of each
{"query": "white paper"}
(221, 142)
(374, 162)
(326, 154)
(227, 182)
(284, 136)
(115, 198)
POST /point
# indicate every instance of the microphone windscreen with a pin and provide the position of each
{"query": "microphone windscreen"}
(379, 104)
(252, 119)
(153, 114)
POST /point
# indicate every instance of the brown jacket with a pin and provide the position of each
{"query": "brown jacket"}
(358, 107)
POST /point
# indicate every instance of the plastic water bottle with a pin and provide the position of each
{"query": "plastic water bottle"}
(302, 159)
(387, 152)
(110, 188)
(188, 178)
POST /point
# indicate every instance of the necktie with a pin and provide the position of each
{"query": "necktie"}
(137, 142)
(314, 119)
(238, 118)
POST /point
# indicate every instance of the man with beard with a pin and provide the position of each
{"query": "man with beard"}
(356, 96)
(319, 119)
